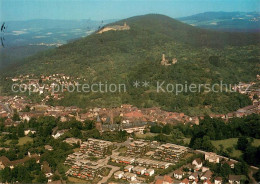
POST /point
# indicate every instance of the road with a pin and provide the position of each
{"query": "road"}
(113, 168)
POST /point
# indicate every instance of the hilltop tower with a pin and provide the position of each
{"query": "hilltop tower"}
(164, 61)
(174, 61)
(163, 57)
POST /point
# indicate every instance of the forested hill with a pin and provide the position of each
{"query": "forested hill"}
(135, 54)
(147, 32)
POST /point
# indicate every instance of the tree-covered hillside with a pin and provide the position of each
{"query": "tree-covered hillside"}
(125, 56)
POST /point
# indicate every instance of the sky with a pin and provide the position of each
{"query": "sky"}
(115, 9)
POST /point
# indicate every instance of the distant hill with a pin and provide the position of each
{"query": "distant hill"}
(135, 54)
(33, 32)
(225, 21)
(25, 38)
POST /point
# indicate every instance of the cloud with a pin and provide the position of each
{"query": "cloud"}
(19, 32)
(40, 36)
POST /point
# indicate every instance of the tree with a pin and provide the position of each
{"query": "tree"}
(167, 129)
(225, 170)
(257, 176)
(242, 143)
(156, 129)
(41, 178)
(20, 130)
(16, 117)
(89, 125)
(56, 177)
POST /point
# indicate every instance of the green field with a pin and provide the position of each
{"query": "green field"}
(21, 141)
(232, 143)
(256, 142)
(186, 140)
(75, 180)
(24, 140)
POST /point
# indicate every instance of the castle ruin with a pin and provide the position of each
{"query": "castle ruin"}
(114, 28)
(165, 62)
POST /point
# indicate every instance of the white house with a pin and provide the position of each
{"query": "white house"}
(26, 132)
(204, 169)
(195, 181)
(139, 170)
(149, 172)
(48, 147)
(234, 179)
(119, 174)
(197, 163)
(207, 182)
(178, 174)
(218, 180)
(130, 176)
(212, 157)
(58, 134)
(206, 176)
(193, 176)
(128, 168)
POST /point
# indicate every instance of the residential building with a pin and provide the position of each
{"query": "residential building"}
(212, 157)
(234, 179)
(178, 174)
(118, 174)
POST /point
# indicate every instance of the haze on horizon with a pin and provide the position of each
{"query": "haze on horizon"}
(13, 10)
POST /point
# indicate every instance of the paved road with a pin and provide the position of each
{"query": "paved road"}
(113, 169)
(105, 161)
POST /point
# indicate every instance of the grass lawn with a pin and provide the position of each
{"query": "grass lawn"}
(186, 140)
(228, 143)
(256, 142)
(122, 149)
(21, 141)
(75, 180)
(232, 143)
(24, 140)
(7, 142)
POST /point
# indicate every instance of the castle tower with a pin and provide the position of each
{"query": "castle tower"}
(174, 61)
(98, 124)
(163, 57)
(111, 117)
(125, 24)
(164, 61)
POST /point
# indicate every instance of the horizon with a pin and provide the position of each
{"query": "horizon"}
(23, 10)
(130, 16)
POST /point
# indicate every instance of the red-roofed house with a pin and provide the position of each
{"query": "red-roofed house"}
(184, 181)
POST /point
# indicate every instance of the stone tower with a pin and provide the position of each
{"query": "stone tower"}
(163, 57)
(98, 124)
(174, 61)
(164, 61)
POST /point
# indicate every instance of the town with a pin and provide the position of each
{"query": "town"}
(134, 160)
(132, 157)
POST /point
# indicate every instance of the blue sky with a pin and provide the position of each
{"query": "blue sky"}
(115, 9)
